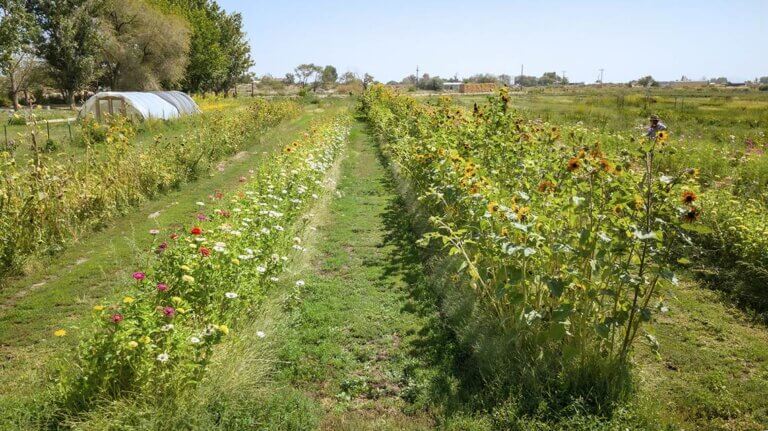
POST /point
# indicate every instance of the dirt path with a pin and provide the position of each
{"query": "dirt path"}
(351, 338)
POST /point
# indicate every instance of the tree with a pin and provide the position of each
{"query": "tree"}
(349, 78)
(330, 76)
(17, 32)
(70, 42)
(367, 80)
(721, 80)
(764, 80)
(647, 81)
(289, 79)
(306, 71)
(526, 81)
(236, 47)
(143, 48)
(505, 79)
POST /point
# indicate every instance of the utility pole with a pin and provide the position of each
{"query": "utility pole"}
(601, 76)
(417, 74)
(563, 77)
(521, 76)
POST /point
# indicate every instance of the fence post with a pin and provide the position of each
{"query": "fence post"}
(48, 129)
(252, 89)
(5, 132)
(69, 126)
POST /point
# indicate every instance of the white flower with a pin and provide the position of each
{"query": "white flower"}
(200, 204)
(274, 279)
(261, 269)
(260, 334)
(154, 231)
(297, 240)
(167, 327)
(231, 295)
(300, 283)
(163, 357)
(194, 340)
(279, 228)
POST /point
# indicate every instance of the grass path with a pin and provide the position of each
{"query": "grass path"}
(349, 346)
(60, 291)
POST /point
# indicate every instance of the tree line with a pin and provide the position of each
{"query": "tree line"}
(77, 45)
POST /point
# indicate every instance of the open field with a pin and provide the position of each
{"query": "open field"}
(379, 317)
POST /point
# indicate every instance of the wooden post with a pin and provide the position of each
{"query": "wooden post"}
(48, 128)
(5, 131)
(252, 89)
(69, 126)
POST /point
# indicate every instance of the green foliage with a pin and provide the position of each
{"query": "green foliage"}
(67, 195)
(562, 250)
(159, 341)
(70, 42)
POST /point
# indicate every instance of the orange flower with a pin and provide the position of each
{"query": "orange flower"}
(691, 215)
(573, 164)
(546, 186)
(688, 197)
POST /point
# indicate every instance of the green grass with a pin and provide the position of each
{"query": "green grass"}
(59, 291)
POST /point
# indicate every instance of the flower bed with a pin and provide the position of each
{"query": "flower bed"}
(559, 253)
(206, 280)
(51, 198)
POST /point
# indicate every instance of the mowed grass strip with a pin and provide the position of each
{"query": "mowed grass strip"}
(61, 290)
(348, 347)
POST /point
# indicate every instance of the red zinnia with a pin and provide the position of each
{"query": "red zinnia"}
(196, 231)
(116, 318)
(162, 287)
(161, 248)
(205, 251)
(169, 311)
(138, 276)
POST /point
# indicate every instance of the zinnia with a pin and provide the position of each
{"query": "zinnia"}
(138, 276)
(205, 252)
(162, 287)
(116, 318)
(196, 231)
(169, 311)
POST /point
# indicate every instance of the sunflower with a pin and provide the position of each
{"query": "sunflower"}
(546, 186)
(504, 231)
(573, 164)
(691, 215)
(605, 165)
(522, 213)
(688, 197)
(618, 209)
(493, 206)
(662, 135)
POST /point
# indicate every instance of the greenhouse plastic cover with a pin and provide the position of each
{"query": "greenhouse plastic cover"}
(159, 104)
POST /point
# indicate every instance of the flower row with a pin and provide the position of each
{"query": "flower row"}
(205, 281)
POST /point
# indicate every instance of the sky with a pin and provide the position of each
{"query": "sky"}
(628, 39)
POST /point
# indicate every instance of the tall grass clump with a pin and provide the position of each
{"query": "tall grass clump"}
(560, 254)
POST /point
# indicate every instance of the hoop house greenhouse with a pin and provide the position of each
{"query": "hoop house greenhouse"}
(139, 105)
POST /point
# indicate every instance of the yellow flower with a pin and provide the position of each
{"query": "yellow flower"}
(185, 268)
(493, 206)
(145, 340)
(662, 135)
(176, 300)
(224, 329)
(236, 261)
(60, 332)
(98, 307)
(188, 278)
(132, 344)
(181, 310)
(128, 300)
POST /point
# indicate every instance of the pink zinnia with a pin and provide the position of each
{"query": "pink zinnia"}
(116, 318)
(202, 217)
(205, 252)
(162, 287)
(138, 276)
(161, 248)
(169, 311)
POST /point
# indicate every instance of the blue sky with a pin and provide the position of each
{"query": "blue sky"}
(666, 39)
